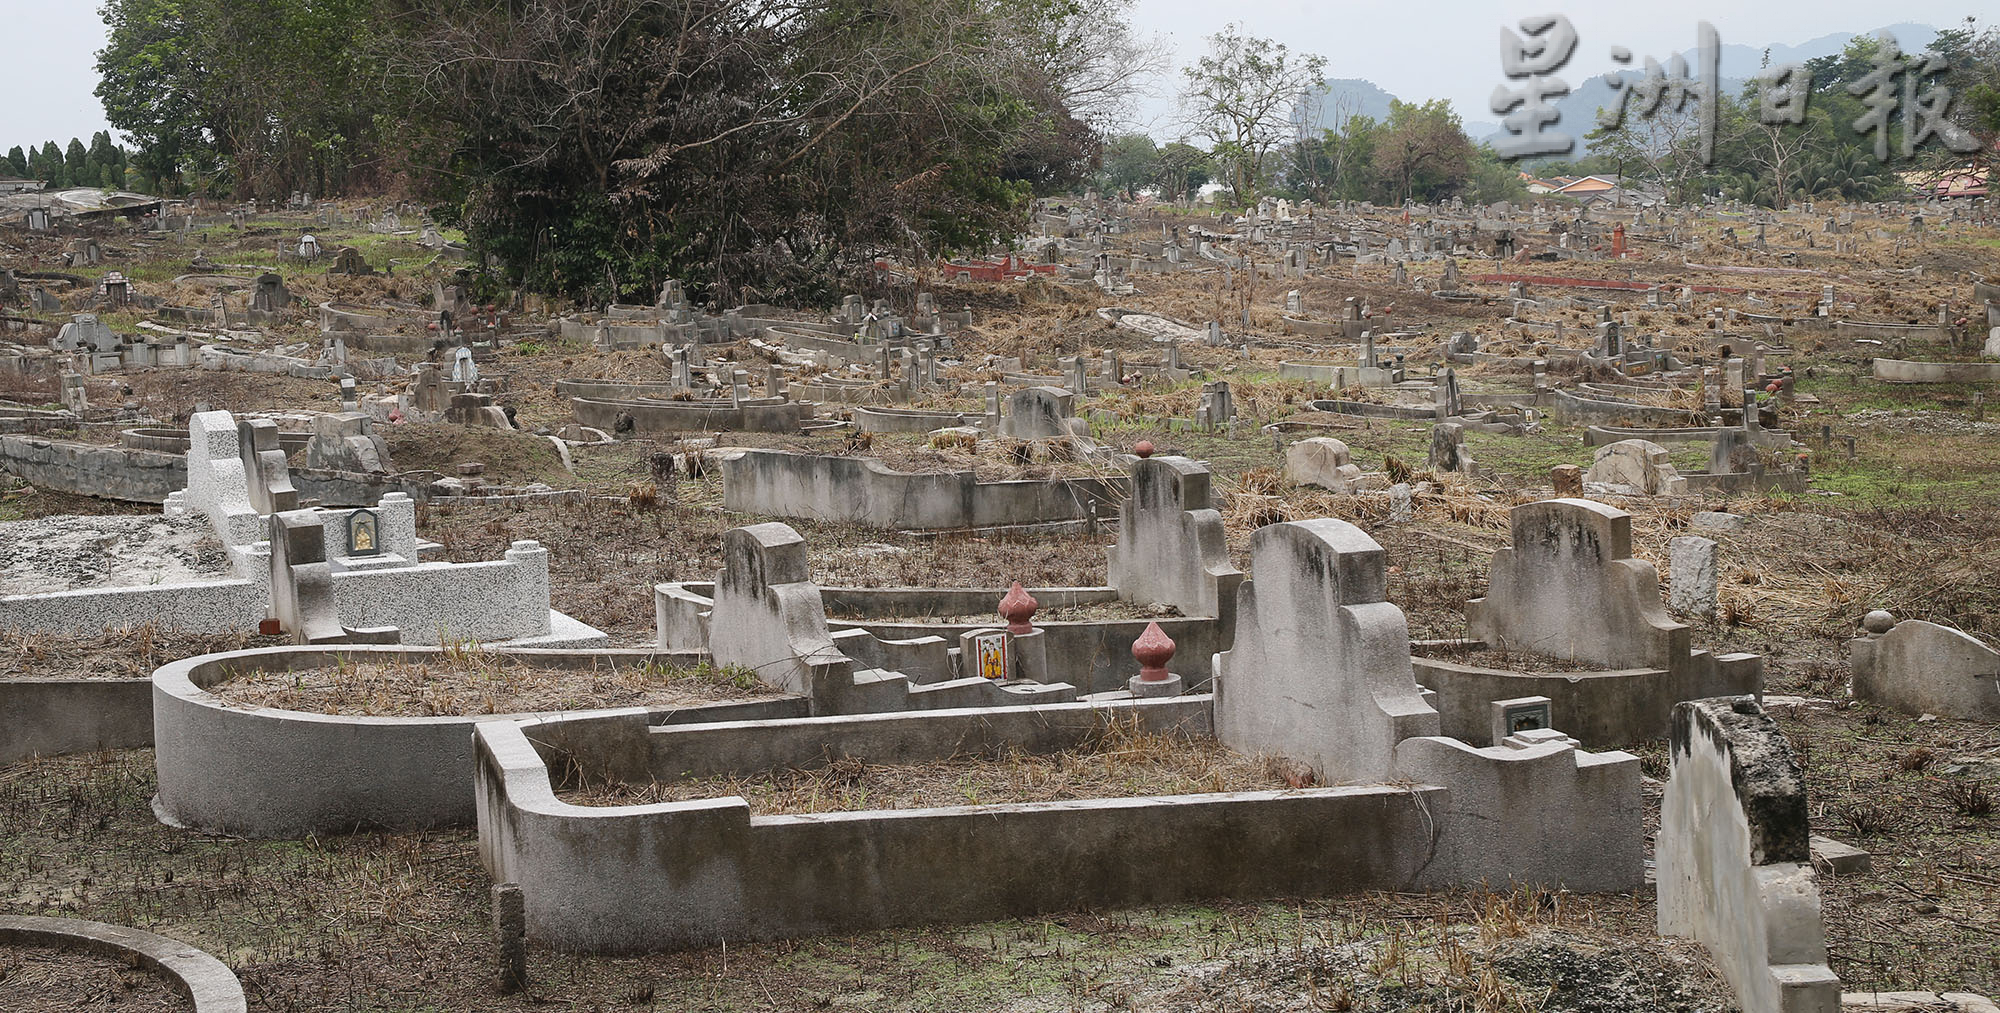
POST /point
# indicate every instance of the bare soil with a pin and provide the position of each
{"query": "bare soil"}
(477, 683)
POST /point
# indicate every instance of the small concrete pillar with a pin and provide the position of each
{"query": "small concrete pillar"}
(510, 931)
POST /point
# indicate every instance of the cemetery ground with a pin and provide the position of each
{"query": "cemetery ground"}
(401, 923)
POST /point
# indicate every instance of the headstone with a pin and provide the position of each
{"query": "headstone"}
(1320, 669)
(1734, 857)
(1324, 462)
(463, 369)
(1171, 549)
(1447, 453)
(265, 467)
(1691, 576)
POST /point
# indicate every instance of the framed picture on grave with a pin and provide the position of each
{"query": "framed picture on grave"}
(363, 534)
(1527, 715)
(990, 649)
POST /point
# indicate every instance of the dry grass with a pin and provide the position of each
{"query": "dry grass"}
(475, 682)
(131, 653)
(1121, 761)
(47, 980)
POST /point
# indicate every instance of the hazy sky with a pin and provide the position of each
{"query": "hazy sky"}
(1414, 49)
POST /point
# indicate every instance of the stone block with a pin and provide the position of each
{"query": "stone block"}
(1567, 480)
(1716, 522)
(1321, 461)
(1640, 466)
(1691, 587)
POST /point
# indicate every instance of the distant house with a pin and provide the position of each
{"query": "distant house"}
(1947, 184)
(1587, 184)
(1537, 185)
(12, 184)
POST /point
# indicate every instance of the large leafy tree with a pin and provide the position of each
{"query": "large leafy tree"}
(1422, 151)
(1184, 169)
(1131, 161)
(260, 96)
(1240, 96)
(152, 85)
(753, 148)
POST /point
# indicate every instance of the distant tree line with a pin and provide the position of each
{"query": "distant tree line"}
(1240, 99)
(102, 165)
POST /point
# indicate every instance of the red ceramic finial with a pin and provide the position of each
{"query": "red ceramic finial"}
(1017, 606)
(1143, 448)
(1153, 650)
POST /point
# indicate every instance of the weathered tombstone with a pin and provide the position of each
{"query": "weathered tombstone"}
(1570, 588)
(1400, 509)
(75, 398)
(463, 369)
(270, 295)
(347, 442)
(1171, 549)
(265, 467)
(1320, 669)
(1324, 462)
(1734, 857)
(1641, 466)
(85, 330)
(769, 616)
(1447, 453)
(1923, 668)
(1039, 413)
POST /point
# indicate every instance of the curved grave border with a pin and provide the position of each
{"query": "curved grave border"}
(266, 772)
(598, 879)
(877, 419)
(205, 981)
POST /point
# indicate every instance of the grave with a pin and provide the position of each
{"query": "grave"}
(1921, 668)
(1580, 621)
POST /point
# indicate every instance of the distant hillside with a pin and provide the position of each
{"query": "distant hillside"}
(1335, 101)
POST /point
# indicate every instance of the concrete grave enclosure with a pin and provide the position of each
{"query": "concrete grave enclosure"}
(1569, 590)
(598, 879)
